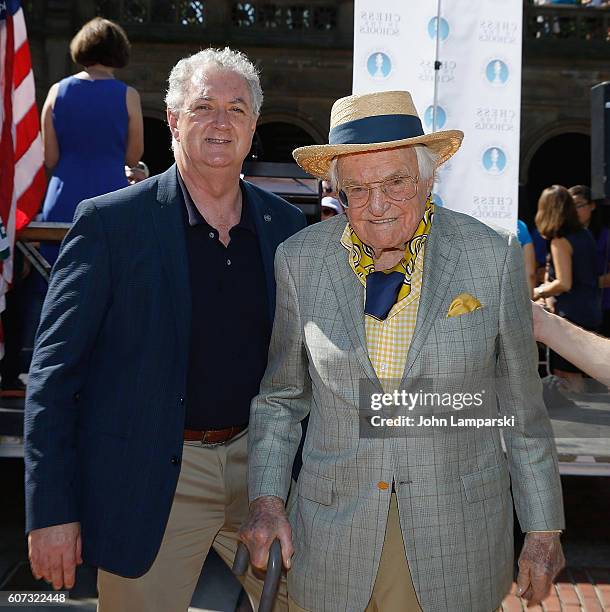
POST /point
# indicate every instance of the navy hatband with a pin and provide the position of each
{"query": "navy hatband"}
(381, 128)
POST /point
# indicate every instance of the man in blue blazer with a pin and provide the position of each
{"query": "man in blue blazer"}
(152, 342)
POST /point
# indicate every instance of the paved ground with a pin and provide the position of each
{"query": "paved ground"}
(577, 589)
(585, 586)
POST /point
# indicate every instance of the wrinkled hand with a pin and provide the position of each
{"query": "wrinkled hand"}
(267, 520)
(54, 553)
(540, 561)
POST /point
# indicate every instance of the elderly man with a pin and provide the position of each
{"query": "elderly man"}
(153, 341)
(402, 292)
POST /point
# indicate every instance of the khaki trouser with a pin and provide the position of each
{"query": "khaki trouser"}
(210, 504)
(393, 590)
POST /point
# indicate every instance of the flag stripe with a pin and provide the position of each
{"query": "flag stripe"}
(26, 132)
(27, 166)
(23, 97)
(23, 64)
(20, 35)
(29, 202)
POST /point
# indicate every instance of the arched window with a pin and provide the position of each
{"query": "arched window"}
(137, 12)
(271, 16)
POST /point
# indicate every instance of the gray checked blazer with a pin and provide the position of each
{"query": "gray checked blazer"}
(453, 489)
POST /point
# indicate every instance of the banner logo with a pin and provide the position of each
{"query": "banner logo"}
(379, 65)
(497, 72)
(494, 160)
(443, 29)
(441, 117)
(496, 119)
(494, 207)
(499, 32)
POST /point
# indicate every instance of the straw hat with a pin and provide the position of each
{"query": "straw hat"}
(374, 122)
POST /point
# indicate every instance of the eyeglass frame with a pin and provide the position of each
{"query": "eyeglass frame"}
(344, 199)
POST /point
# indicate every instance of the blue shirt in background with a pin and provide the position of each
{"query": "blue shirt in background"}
(523, 234)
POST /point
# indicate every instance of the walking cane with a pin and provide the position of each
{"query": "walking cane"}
(272, 577)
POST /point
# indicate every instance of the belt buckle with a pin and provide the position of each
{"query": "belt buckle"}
(204, 442)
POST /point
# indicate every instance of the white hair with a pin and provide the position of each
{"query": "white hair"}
(427, 159)
(225, 60)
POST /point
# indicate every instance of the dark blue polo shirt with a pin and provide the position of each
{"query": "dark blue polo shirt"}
(230, 327)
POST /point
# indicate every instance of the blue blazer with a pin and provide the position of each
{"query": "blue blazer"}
(104, 414)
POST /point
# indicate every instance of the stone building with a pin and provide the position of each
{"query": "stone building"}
(304, 49)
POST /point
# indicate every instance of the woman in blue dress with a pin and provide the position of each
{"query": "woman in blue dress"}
(591, 217)
(571, 284)
(91, 124)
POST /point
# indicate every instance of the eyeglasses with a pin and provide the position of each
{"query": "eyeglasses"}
(398, 188)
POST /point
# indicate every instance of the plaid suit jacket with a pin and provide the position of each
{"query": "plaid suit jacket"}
(453, 489)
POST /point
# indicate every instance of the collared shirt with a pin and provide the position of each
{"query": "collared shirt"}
(230, 327)
(388, 341)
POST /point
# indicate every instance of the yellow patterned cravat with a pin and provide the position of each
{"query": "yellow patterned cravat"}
(364, 265)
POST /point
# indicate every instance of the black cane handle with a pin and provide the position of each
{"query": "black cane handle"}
(272, 576)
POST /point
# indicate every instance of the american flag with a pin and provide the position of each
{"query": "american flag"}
(22, 175)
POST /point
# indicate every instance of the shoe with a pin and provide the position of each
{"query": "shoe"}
(12, 388)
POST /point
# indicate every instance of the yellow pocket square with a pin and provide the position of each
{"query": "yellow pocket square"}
(463, 304)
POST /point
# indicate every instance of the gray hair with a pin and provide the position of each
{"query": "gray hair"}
(427, 160)
(225, 60)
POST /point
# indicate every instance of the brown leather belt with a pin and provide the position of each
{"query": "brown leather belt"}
(213, 436)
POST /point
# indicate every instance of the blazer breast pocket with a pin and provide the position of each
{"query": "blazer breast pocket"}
(468, 320)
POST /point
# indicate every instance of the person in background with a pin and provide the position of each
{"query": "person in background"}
(329, 207)
(137, 173)
(327, 189)
(588, 351)
(529, 255)
(590, 217)
(571, 277)
(91, 124)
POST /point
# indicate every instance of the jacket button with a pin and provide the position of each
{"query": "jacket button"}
(384, 486)
(175, 460)
(181, 401)
(77, 396)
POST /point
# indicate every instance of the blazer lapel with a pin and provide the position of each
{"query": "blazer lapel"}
(267, 240)
(440, 261)
(169, 228)
(350, 295)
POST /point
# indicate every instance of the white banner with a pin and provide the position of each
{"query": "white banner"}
(478, 88)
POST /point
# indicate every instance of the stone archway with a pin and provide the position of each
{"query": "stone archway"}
(157, 145)
(563, 159)
(274, 141)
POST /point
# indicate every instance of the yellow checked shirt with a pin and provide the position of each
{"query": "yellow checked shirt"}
(388, 341)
